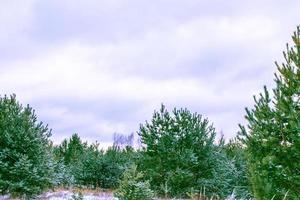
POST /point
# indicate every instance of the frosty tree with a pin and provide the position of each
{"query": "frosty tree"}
(25, 161)
(272, 137)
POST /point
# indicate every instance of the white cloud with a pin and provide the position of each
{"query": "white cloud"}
(15, 17)
(209, 62)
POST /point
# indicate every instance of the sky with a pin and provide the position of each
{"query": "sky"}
(96, 67)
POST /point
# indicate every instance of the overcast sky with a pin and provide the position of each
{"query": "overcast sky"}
(96, 67)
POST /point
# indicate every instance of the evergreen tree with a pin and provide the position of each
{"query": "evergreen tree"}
(132, 186)
(178, 151)
(72, 153)
(235, 153)
(72, 150)
(87, 165)
(113, 164)
(26, 166)
(272, 137)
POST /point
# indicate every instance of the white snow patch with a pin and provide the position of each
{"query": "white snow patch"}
(67, 195)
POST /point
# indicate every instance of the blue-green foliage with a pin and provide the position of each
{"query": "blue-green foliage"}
(26, 166)
(235, 168)
(133, 187)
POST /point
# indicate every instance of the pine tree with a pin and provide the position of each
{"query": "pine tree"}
(25, 160)
(178, 151)
(132, 186)
(272, 137)
(235, 152)
(72, 153)
(74, 149)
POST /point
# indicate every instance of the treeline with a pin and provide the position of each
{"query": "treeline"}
(179, 154)
(80, 164)
(179, 157)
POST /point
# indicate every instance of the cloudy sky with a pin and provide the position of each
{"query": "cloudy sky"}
(96, 67)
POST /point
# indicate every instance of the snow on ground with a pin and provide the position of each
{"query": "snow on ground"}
(87, 195)
(67, 195)
(60, 195)
(5, 197)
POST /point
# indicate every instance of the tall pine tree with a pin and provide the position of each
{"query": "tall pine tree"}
(25, 160)
(272, 137)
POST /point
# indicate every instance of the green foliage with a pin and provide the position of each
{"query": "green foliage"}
(69, 156)
(178, 151)
(132, 186)
(179, 154)
(235, 153)
(114, 162)
(77, 196)
(63, 175)
(71, 150)
(90, 166)
(272, 136)
(223, 177)
(26, 166)
(228, 173)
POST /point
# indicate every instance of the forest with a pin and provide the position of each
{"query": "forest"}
(178, 156)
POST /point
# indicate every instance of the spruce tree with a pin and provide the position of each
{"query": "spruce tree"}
(272, 137)
(25, 160)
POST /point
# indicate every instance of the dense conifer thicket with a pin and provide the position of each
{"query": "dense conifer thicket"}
(87, 165)
(179, 157)
(179, 154)
(272, 137)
